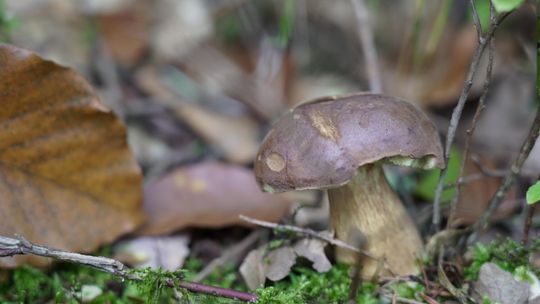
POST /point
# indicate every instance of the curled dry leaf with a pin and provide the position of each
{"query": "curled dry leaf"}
(208, 194)
(279, 263)
(276, 264)
(313, 250)
(67, 178)
(253, 271)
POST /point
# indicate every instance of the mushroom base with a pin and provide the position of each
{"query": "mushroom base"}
(368, 204)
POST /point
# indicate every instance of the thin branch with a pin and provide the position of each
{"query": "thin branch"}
(308, 232)
(477, 23)
(474, 177)
(368, 46)
(479, 108)
(21, 246)
(456, 115)
(529, 213)
(510, 177)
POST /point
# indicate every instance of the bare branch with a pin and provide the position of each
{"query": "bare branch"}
(510, 177)
(368, 46)
(314, 234)
(456, 115)
(479, 108)
(11, 247)
(477, 23)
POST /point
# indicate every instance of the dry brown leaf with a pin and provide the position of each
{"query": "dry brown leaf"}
(208, 194)
(475, 196)
(67, 178)
(126, 32)
(236, 137)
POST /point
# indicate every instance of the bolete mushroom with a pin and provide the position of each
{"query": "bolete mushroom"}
(340, 143)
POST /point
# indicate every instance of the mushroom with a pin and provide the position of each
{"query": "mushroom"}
(340, 143)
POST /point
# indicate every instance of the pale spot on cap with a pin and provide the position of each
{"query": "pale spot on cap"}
(275, 162)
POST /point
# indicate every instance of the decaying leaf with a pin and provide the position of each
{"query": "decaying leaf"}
(167, 252)
(276, 264)
(235, 137)
(313, 250)
(126, 32)
(279, 263)
(67, 178)
(253, 270)
(208, 194)
(475, 195)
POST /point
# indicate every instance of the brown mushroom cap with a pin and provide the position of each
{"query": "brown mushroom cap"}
(320, 144)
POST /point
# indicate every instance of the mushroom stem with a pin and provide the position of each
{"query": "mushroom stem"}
(367, 203)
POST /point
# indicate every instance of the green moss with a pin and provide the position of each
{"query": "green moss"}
(305, 285)
(509, 255)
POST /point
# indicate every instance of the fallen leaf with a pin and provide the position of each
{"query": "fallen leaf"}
(167, 252)
(126, 32)
(67, 177)
(500, 286)
(236, 137)
(313, 250)
(253, 271)
(279, 263)
(208, 194)
(233, 134)
(261, 264)
(475, 195)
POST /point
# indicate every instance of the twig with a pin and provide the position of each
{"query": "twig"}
(308, 232)
(368, 45)
(497, 198)
(479, 108)
(529, 213)
(477, 23)
(474, 177)
(456, 115)
(235, 252)
(20, 245)
(445, 282)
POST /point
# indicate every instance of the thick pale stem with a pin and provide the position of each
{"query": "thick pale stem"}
(367, 203)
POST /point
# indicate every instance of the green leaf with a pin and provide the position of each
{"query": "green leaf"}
(502, 6)
(533, 194)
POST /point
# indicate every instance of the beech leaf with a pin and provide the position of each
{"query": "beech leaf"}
(208, 194)
(67, 177)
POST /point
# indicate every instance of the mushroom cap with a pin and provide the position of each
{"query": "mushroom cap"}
(321, 144)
